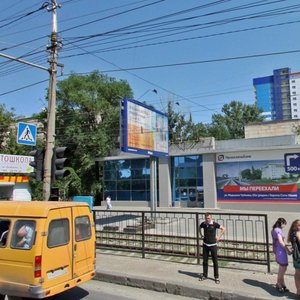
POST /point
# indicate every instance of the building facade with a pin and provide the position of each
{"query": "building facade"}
(295, 94)
(278, 95)
(245, 174)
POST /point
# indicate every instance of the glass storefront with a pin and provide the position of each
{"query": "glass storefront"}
(127, 180)
(187, 181)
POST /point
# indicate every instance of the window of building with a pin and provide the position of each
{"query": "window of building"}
(294, 104)
(295, 109)
(58, 233)
(187, 179)
(294, 98)
(131, 180)
(293, 86)
(293, 81)
(294, 93)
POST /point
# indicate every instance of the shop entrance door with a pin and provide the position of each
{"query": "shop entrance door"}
(191, 197)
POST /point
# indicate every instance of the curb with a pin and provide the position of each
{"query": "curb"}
(175, 288)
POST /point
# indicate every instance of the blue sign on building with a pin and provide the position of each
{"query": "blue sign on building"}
(26, 134)
(292, 162)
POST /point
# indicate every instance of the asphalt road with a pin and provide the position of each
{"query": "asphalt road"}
(97, 290)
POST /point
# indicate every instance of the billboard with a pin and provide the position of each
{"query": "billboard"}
(255, 177)
(15, 164)
(144, 130)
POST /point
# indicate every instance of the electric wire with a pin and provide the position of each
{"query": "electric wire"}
(201, 62)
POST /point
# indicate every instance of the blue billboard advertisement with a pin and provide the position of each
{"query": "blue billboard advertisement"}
(144, 130)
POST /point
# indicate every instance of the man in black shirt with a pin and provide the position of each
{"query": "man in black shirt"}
(208, 231)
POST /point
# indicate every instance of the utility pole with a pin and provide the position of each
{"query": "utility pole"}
(50, 138)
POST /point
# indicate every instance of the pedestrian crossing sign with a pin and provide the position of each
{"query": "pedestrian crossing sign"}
(26, 134)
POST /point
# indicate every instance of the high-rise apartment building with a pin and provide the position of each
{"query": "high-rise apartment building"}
(278, 95)
(295, 95)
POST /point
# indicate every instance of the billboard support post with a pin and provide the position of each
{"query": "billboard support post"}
(153, 184)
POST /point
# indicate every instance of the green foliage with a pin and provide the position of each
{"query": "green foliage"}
(88, 124)
(180, 129)
(296, 129)
(230, 124)
(6, 120)
(8, 133)
(69, 185)
(36, 189)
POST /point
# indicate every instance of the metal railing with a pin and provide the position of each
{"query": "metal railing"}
(245, 240)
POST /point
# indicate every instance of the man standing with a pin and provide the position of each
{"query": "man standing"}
(208, 231)
(108, 202)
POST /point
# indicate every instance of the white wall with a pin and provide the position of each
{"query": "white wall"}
(21, 192)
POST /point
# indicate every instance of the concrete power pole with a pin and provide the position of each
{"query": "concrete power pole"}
(50, 138)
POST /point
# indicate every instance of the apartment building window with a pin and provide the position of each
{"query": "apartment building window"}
(294, 93)
(293, 87)
(294, 104)
(293, 81)
(295, 109)
(294, 98)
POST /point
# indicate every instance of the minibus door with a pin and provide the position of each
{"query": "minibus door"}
(84, 242)
(57, 250)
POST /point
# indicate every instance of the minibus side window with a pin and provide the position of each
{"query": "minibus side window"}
(58, 233)
(4, 230)
(23, 235)
(82, 228)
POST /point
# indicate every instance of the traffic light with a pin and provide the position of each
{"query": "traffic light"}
(37, 164)
(54, 194)
(59, 162)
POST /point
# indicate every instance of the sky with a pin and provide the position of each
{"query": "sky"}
(199, 55)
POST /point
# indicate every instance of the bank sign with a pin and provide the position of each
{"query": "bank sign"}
(18, 164)
(258, 176)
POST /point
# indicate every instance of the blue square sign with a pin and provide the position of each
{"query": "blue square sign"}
(26, 134)
(292, 162)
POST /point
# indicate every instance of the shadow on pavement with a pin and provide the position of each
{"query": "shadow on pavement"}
(76, 293)
(191, 274)
(270, 288)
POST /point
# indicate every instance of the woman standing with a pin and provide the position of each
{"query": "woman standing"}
(294, 238)
(280, 250)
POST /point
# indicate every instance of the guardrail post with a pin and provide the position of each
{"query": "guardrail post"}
(267, 242)
(143, 234)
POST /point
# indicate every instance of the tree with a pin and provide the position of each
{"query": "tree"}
(8, 133)
(6, 121)
(88, 123)
(230, 124)
(180, 129)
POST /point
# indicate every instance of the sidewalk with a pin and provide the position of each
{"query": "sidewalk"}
(182, 279)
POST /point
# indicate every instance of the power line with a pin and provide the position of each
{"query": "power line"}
(172, 65)
(18, 18)
(203, 61)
